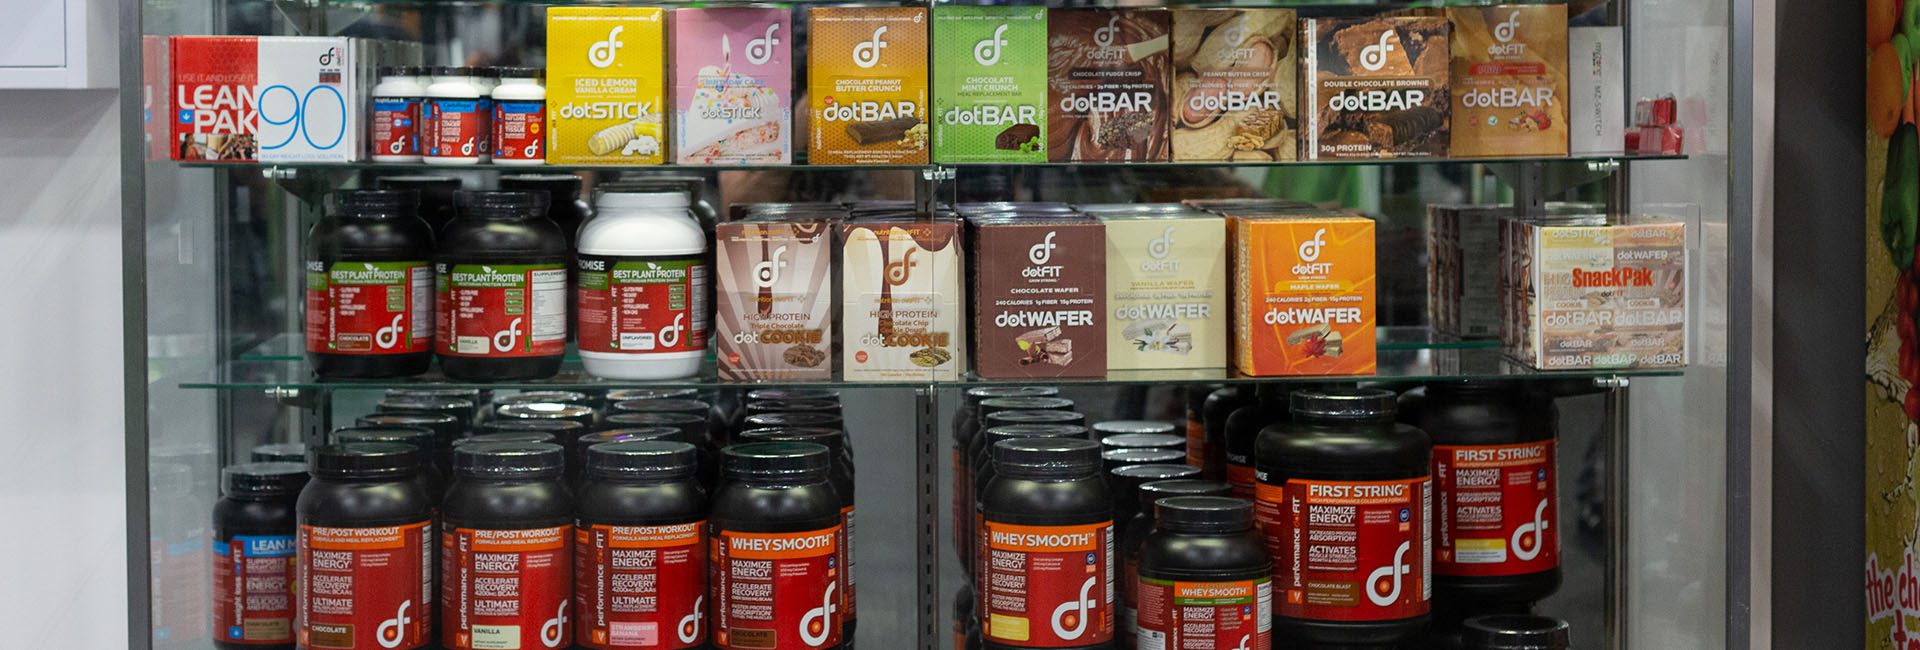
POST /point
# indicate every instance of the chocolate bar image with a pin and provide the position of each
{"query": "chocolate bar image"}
(1015, 136)
(866, 133)
(1058, 352)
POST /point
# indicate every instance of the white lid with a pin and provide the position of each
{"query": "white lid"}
(644, 200)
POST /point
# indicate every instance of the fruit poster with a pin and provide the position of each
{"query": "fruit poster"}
(1893, 345)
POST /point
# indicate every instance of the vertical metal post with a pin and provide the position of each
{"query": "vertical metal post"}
(1618, 568)
(926, 479)
(1530, 189)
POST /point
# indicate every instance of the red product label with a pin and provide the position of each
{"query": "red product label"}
(505, 588)
(643, 305)
(1349, 550)
(369, 307)
(641, 586)
(1129, 628)
(453, 128)
(1241, 478)
(253, 590)
(396, 126)
(518, 130)
(1177, 615)
(749, 569)
(501, 310)
(1496, 510)
(365, 588)
(1049, 586)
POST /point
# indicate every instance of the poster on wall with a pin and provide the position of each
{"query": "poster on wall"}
(1892, 340)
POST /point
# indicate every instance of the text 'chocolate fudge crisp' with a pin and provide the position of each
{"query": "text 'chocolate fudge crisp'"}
(1108, 80)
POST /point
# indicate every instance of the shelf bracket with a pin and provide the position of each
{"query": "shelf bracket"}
(926, 193)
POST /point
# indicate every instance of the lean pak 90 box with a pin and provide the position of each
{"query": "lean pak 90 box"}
(273, 98)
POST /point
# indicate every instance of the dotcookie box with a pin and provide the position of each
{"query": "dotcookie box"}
(1509, 80)
(867, 83)
(732, 71)
(1305, 293)
(1039, 296)
(902, 286)
(775, 302)
(1107, 84)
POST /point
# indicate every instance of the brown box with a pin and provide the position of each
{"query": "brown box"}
(1374, 87)
(1039, 296)
(774, 307)
(1463, 286)
(1235, 96)
(1107, 84)
(1509, 80)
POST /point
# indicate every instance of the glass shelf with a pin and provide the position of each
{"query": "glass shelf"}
(1597, 162)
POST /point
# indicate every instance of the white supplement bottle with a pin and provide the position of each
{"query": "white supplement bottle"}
(520, 117)
(642, 273)
(487, 79)
(394, 125)
(453, 119)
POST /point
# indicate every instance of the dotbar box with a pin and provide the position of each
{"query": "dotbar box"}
(990, 84)
(1235, 90)
(867, 82)
(1039, 296)
(1374, 87)
(1107, 84)
(1509, 80)
(606, 85)
(1305, 293)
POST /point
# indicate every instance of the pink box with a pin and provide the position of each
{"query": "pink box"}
(732, 91)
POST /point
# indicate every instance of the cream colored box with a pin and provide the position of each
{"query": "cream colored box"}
(606, 85)
(1166, 289)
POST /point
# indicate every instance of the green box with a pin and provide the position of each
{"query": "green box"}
(990, 84)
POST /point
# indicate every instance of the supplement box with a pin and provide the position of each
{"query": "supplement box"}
(1463, 288)
(1304, 293)
(1597, 83)
(1235, 94)
(732, 70)
(1509, 80)
(774, 302)
(606, 88)
(269, 98)
(1583, 295)
(1108, 78)
(902, 282)
(1374, 87)
(990, 84)
(1166, 289)
(867, 82)
(1039, 302)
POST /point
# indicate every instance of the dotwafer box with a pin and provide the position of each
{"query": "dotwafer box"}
(1039, 296)
(1166, 288)
(1306, 292)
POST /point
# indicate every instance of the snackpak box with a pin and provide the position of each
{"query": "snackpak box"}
(775, 298)
(1166, 289)
(732, 94)
(901, 313)
(990, 84)
(1304, 298)
(1039, 296)
(268, 98)
(1582, 295)
(1509, 81)
(1235, 91)
(1375, 87)
(867, 83)
(606, 85)
(1108, 79)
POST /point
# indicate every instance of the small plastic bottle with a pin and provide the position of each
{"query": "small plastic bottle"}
(643, 254)
(520, 117)
(453, 120)
(394, 125)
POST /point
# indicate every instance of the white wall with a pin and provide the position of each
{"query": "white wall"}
(62, 478)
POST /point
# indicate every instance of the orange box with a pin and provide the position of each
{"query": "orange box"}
(1304, 293)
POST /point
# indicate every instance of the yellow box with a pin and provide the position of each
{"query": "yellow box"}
(606, 85)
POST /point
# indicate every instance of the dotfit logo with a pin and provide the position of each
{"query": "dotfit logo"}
(554, 630)
(505, 340)
(987, 52)
(670, 335)
(1374, 57)
(1310, 249)
(1070, 618)
(1244, 644)
(1505, 31)
(767, 273)
(1159, 248)
(389, 336)
(394, 630)
(817, 625)
(603, 53)
(331, 56)
(1103, 37)
(1530, 537)
(867, 55)
(1384, 584)
(899, 272)
(689, 629)
(760, 50)
(1042, 252)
